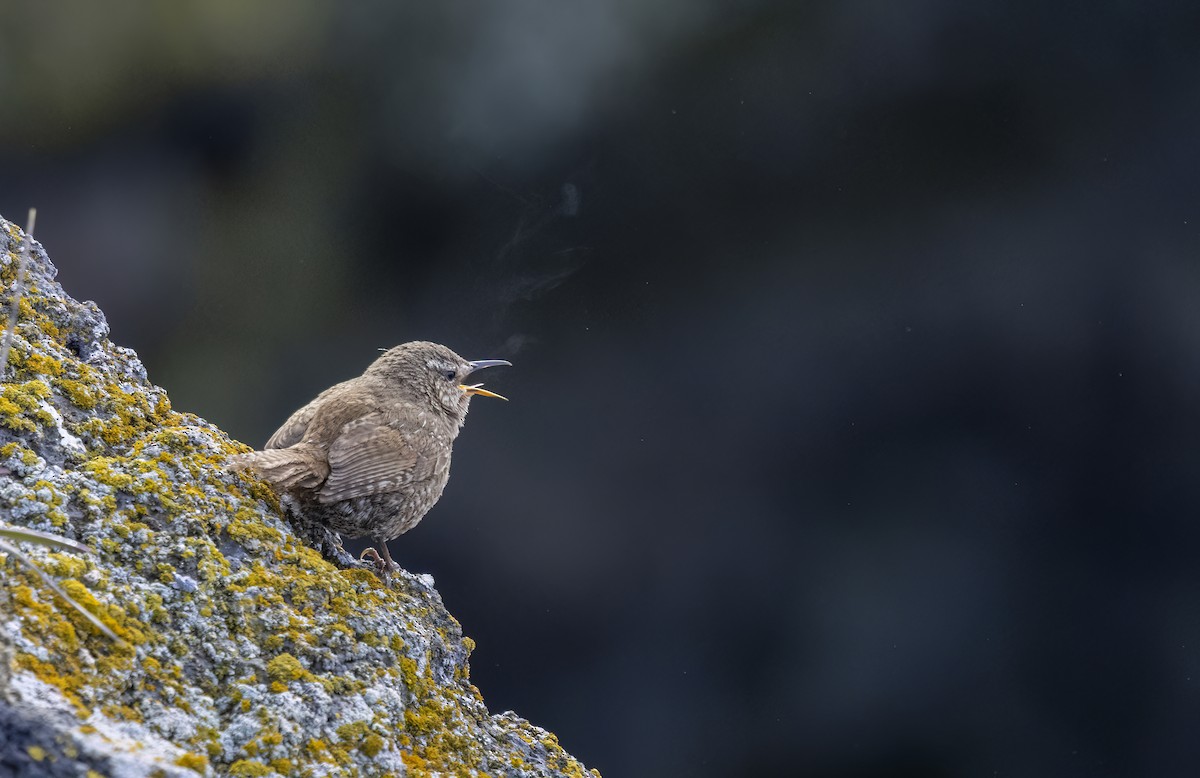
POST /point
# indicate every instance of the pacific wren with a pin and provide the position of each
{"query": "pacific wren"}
(371, 456)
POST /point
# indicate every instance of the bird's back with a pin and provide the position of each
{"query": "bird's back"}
(292, 431)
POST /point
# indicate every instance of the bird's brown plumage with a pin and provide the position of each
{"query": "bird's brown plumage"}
(371, 456)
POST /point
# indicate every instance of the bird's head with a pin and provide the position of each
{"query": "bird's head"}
(433, 373)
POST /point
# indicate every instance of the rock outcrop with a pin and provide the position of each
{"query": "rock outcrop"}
(243, 652)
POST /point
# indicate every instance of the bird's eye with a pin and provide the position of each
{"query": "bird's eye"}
(449, 374)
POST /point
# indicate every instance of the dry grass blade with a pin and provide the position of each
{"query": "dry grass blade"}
(44, 539)
(8, 548)
(52, 541)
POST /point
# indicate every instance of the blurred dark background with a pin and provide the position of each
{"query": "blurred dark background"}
(857, 344)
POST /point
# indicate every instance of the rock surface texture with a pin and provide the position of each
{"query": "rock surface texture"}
(244, 652)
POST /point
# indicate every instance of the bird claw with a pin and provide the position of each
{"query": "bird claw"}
(383, 566)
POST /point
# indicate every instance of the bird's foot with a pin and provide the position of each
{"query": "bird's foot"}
(383, 564)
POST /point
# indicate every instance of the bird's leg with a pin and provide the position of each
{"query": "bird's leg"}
(387, 558)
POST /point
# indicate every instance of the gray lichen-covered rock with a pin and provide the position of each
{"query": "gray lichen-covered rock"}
(244, 652)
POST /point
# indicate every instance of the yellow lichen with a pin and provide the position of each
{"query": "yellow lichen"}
(354, 730)
(28, 457)
(80, 394)
(286, 668)
(108, 471)
(414, 763)
(64, 565)
(69, 684)
(21, 406)
(115, 711)
(358, 735)
(248, 768)
(111, 616)
(209, 739)
(372, 745)
(196, 762)
(37, 364)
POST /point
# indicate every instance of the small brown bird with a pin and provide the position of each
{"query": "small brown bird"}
(371, 456)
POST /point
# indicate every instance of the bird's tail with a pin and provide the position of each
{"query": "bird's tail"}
(302, 466)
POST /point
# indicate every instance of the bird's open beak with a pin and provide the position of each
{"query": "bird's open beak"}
(475, 389)
(480, 364)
